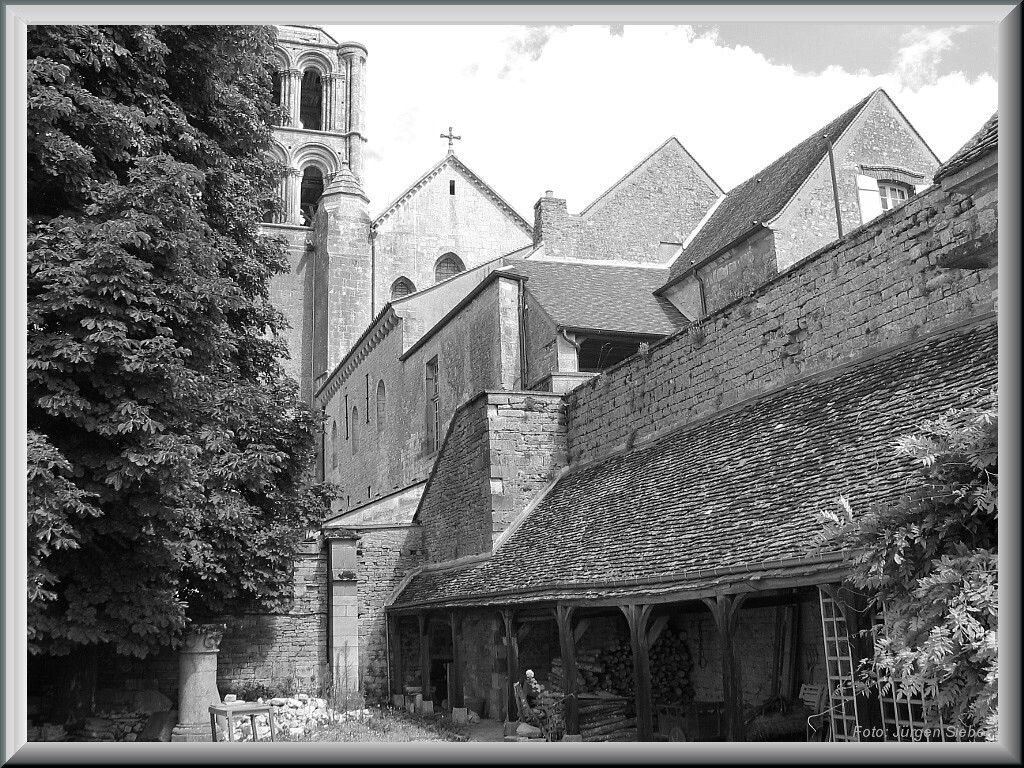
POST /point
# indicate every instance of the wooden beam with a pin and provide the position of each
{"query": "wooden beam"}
(725, 610)
(456, 692)
(567, 643)
(424, 621)
(398, 675)
(656, 629)
(508, 618)
(581, 629)
(637, 616)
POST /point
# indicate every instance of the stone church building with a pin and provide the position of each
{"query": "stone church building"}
(606, 429)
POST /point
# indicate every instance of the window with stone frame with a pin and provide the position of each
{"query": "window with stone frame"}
(892, 193)
(448, 266)
(334, 445)
(355, 430)
(403, 286)
(381, 405)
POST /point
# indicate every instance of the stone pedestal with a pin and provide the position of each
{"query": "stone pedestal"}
(460, 715)
(197, 682)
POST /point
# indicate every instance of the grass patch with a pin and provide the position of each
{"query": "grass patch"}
(383, 725)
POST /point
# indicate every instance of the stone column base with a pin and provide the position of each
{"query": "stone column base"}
(460, 715)
(192, 732)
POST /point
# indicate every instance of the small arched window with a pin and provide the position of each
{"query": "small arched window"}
(381, 405)
(447, 266)
(355, 429)
(402, 287)
(311, 96)
(310, 194)
(334, 445)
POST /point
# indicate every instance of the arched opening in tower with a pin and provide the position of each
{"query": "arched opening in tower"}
(276, 86)
(312, 189)
(311, 100)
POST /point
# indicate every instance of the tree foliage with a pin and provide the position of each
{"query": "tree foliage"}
(167, 450)
(930, 564)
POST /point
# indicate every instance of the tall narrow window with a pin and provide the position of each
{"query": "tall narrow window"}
(334, 445)
(451, 187)
(355, 430)
(447, 266)
(311, 100)
(312, 190)
(276, 85)
(381, 405)
(433, 398)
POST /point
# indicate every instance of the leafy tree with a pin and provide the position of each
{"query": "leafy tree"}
(930, 564)
(167, 450)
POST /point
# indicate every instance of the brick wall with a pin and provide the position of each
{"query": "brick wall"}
(878, 286)
(385, 555)
(662, 200)
(432, 222)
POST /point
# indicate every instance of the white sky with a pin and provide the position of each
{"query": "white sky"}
(572, 108)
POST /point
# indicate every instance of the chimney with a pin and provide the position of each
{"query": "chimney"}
(549, 218)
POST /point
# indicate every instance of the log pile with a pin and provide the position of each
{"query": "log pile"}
(606, 718)
(588, 672)
(670, 669)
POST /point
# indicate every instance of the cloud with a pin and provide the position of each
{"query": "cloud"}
(917, 60)
(578, 106)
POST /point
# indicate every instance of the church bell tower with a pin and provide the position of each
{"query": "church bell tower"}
(324, 217)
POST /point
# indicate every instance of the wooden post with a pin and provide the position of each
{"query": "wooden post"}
(725, 609)
(508, 617)
(398, 678)
(456, 694)
(425, 655)
(567, 642)
(640, 640)
(853, 604)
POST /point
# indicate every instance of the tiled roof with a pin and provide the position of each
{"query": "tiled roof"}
(738, 489)
(601, 297)
(985, 140)
(762, 196)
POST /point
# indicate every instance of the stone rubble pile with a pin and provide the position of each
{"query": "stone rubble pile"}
(293, 716)
(104, 726)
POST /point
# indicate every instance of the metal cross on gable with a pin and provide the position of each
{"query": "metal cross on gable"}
(451, 137)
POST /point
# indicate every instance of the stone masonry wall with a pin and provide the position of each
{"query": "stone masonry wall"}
(386, 556)
(662, 201)
(282, 650)
(291, 293)
(456, 505)
(878, 137)
(475, 352)
(433, 222)
(500, 451)
(876, 287)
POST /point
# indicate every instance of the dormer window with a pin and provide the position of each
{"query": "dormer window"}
(893, 193)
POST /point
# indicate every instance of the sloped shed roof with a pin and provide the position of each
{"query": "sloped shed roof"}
(741, 489)
(601, 297)
(985, 140)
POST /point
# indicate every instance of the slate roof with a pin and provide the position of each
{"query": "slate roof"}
(601, 297)
(761, 197)
(739, 490)
(984, 141)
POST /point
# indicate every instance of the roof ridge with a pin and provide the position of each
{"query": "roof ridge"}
(486, 188)
(637, 167)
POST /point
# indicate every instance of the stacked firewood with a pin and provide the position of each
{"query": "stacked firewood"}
(670, 669)
(588, 672)
(606, 719)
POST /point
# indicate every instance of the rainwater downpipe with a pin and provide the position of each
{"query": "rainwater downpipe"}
(522, 336)
(373, 272)
(835, 186)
